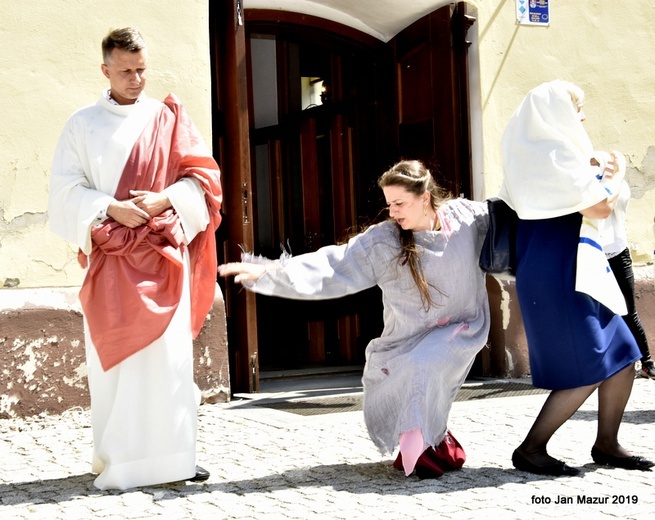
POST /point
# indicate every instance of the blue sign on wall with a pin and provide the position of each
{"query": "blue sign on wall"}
(533, 12)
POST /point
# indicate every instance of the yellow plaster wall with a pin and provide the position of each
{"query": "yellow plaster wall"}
(49, 67)
(605, 47)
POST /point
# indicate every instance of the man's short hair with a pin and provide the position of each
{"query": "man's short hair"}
(128, 39)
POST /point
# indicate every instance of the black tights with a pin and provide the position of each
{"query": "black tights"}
(621, 266)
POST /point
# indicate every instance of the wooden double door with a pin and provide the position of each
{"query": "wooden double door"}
(309, 114)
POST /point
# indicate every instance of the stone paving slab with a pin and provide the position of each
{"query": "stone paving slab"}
(272, 464)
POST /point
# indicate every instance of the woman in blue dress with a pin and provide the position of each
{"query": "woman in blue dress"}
(569, 298)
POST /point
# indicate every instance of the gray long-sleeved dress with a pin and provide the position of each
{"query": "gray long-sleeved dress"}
(415, 368)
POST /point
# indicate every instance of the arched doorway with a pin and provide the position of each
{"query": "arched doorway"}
(328, 110)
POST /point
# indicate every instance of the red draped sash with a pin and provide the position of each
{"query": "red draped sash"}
(134, 282)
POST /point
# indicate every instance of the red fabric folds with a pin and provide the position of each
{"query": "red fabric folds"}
(134, 282)
(449, 455)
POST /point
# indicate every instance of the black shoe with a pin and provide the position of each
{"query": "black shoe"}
(634, 462)
(647, 369)
(556, 469)
(201, 475)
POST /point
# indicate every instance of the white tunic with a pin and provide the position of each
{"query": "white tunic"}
(415, 368)
(143, 410)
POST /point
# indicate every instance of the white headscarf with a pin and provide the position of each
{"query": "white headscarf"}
(546, 153)
(548, 174)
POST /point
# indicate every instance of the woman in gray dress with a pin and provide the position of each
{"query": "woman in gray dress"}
(424, 258)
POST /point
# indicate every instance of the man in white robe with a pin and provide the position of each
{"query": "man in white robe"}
(135, 188)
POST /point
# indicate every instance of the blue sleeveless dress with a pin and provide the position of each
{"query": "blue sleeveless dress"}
(573, 340)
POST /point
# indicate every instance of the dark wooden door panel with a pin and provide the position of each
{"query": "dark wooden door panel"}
(233, 146)
(317, 168)
(432, 98)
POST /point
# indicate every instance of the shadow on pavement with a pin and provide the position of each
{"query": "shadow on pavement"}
(378, 478)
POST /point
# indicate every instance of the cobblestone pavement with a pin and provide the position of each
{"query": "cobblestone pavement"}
(272, 464)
